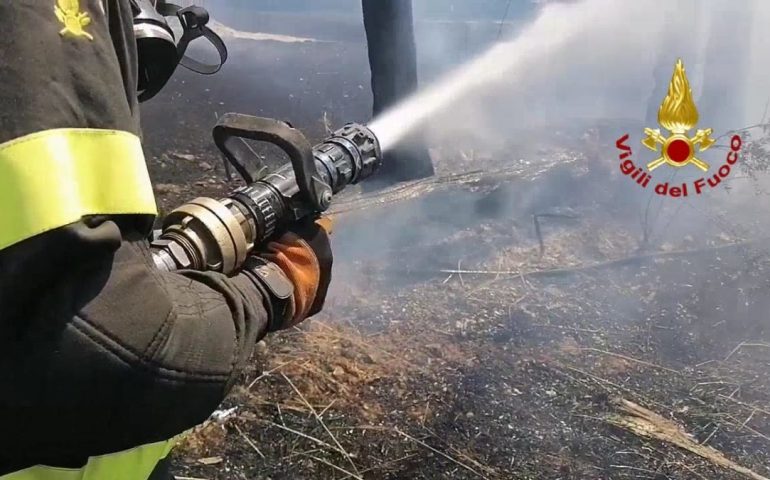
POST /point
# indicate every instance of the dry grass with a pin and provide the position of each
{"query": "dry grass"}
(204, 441)
(321, 371)
(335, 363)
(507, 376)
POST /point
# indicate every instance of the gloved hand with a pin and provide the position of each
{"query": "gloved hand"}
(304, 256)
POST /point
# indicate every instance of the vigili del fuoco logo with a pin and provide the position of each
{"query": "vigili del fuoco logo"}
(678, 116)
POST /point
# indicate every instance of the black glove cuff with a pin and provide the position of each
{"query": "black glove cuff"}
(275, 287)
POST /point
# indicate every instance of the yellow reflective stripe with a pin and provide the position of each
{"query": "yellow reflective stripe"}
(53, 178)
(134, 464)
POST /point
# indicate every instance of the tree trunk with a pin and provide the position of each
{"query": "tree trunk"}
(393, 59)
(723, 100)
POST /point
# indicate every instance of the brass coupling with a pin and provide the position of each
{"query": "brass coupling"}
(204, 234)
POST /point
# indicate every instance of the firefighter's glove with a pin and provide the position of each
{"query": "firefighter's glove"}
(296, 272)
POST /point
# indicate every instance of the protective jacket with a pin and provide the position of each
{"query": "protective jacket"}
(103, 359)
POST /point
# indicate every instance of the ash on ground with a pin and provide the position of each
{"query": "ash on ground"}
(458, 342)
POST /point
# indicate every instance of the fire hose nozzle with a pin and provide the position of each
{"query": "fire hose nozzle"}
(217, 235)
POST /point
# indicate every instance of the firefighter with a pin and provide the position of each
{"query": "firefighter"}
(105, 361)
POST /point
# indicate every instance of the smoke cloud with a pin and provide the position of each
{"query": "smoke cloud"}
(603, 66)
(600, 59)
(562, 78)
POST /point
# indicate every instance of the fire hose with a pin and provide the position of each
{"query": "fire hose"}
(217, 235)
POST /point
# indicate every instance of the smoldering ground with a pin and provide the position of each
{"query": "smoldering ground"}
(452, 345)
(581, 76)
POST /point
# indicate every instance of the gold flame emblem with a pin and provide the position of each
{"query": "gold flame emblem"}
(678, 114)
(74, 21)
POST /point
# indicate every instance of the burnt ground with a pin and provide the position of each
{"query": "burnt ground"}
(451, 347)
(514, 371)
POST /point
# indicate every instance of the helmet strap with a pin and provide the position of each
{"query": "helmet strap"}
(194, 21)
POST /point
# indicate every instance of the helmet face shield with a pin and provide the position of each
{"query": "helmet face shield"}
(159, 53)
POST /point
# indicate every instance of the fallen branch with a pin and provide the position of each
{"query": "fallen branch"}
(620, 262)
(648, 424)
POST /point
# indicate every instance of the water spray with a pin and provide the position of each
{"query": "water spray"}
(217, 235)
(506, 61)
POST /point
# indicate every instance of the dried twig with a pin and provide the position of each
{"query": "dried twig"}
(602, 382)
(266, 374)
(742, 345)
(303, 435)
(480, 272)
(736, 390)
(637, 469)
(384, 465)
(703, 364)
(746, 422)
(461, 454)
(460, 272)
(690, 469)
(711, 435)
(612, 263)
(438, 452)
(538, 230)
(327, 407)
(560, 327)
(631, 359)
(422, 444)
(299, 454)
(327, 123)
(321, 422)
(336, 467)
(749, 429)
(749, 406)
(249, 441)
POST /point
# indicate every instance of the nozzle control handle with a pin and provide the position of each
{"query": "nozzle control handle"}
(233, 129)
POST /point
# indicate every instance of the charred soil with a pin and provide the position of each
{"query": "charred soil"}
(468, 352)
(462, 341)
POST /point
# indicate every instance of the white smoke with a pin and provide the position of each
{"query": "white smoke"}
(602, 59)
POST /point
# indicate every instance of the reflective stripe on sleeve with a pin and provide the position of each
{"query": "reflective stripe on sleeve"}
(53, 178)
(135, 464)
